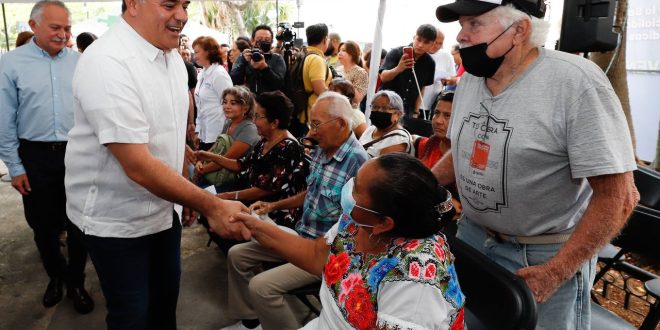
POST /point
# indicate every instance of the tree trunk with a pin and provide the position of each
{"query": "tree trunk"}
(617, 73)
(235, 12)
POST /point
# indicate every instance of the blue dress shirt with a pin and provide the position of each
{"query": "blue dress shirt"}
(36, 100)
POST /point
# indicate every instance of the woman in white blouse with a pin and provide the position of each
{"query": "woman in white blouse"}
(385, 135)
(384, 264)
(211, 82)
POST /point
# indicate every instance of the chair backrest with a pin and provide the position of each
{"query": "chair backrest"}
(648, 184)
(641, 232)
(495, 297)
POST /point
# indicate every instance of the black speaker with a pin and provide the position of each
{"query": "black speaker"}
(586, 26)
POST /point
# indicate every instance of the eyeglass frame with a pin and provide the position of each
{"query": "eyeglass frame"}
(315, 127)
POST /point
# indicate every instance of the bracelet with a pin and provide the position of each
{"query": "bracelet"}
(236, 195)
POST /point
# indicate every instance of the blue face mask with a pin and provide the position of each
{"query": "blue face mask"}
(348, 202)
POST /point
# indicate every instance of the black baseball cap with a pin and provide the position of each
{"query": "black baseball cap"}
(450, 12)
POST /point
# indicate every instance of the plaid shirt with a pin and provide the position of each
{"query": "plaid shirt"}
(326, 177)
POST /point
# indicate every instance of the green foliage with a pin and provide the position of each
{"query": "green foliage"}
(264, 13)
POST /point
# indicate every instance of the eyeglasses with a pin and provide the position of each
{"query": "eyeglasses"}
(315, 126)
(381, 109)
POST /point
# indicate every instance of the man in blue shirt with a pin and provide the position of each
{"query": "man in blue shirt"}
(36, 113)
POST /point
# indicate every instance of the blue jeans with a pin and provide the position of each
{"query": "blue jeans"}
(139, 277)
(569, 306)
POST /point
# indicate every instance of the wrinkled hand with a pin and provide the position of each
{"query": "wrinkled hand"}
(220, 224)
(542, 280)
(189, 154)
(199, 169)
(261, 207)
(189, 216)
(21, 183)
(405, 62)
(249, 221)
(203, 155)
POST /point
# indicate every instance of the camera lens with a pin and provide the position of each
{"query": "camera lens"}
(256, 55)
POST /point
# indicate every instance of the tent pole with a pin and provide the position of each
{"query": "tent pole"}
(4, 19)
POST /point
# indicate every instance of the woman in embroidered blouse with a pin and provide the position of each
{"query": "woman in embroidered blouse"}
(385, 135)
(211, 81)
(275, 169)
(385, 257)
(350, 58)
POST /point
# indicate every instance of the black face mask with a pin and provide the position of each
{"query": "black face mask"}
(476, 61)
(381, 119)
(264, 46)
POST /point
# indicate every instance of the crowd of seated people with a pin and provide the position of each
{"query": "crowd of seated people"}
(305, 193)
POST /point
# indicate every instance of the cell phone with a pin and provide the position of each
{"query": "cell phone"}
(409, 51)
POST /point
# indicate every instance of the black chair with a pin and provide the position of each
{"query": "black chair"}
(495, 297)
(639, 236)
(303, 294)
(418, 126)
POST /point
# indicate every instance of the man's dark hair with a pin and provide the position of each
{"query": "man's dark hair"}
(262, 27)
(409, 193)
(427, 32)
(123, 6)
(316, 33)
(85, 39)
(277, 106)
(224, 45)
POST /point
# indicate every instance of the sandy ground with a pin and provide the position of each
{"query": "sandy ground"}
(202, 298)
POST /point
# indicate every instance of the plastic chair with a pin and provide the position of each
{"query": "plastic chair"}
(495, 297)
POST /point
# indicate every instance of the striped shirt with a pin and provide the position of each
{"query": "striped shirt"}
(322, 209)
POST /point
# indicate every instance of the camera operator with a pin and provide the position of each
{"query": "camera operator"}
(260, 69)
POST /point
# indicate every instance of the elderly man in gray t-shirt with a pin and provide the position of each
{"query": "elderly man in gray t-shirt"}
(541, 154)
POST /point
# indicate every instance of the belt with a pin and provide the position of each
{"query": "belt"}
(539, 239)
(45, 145)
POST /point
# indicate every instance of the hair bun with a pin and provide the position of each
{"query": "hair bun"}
(444, 207)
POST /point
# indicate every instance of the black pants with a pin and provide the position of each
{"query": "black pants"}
(139, 277)
(45, 210)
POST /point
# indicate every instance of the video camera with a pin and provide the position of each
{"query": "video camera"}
(285, 34)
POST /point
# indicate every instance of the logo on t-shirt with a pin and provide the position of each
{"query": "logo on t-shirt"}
(482, 145)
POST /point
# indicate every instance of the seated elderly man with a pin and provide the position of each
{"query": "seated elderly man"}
(258, 298)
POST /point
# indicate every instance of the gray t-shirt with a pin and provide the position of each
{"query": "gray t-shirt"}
(521, 158)
(246, 132)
